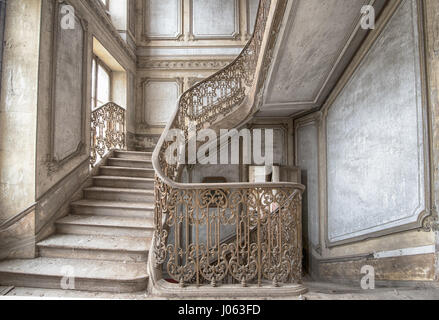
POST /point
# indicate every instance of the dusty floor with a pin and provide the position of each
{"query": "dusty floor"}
(317, 291)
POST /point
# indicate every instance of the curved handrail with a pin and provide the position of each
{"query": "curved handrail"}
(206, 105)
(263, 11)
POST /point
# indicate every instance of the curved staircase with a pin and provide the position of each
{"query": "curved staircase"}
(105, 241)
(138, 203)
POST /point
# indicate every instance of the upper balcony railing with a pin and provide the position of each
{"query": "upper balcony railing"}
(107, 131)
(194, 222)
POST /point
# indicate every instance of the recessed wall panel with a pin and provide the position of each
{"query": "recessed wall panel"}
(162, 19)
(215, 19)
(160, 101)
(307, 160)
(376, 157)
(68, 90)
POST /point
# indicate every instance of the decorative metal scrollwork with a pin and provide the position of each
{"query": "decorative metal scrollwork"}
(247, 234)
(107, 131)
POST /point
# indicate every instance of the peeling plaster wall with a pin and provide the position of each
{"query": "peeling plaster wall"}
(179, 43)
(375, 137)
(373, 150)
(49, 174)
(36, 169)
(18, 107)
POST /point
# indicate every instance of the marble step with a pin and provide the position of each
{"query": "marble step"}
(92, 247)
(129, 163)
(126, 172)
(119, 194)
(88, 275)
(123, 182)
(135, 155)
(106, 226)
(113, 208)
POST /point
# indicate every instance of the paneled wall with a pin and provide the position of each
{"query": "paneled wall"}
(45, 112)
(180, 42)
(307, 151)
(64, 85)
(365, 156)
(18, 108)
(375, 135)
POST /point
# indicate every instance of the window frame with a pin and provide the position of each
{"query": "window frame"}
(94, 100)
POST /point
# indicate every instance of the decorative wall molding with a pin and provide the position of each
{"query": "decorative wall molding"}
(53, 162)
(145, 82)
(423, 211)
(431, 221)
(183, 64)
(250, 18)
(194, 35)
(436, 33)
(131, 14)
(20, 233)
(340, 58)
(177, 35)
(99, 10)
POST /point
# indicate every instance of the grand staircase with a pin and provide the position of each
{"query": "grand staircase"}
(138, 203)
(105, 240)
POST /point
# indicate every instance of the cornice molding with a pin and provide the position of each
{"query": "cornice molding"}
(99, 10)
(181, 64)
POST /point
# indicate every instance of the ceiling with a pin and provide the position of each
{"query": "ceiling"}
(318, 39)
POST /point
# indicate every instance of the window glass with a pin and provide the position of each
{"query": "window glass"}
(103, 86)
(93, 81)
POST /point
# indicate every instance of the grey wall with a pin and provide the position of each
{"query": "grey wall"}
(307, 160)
(375, 137)
(2, 30)
(68, 107)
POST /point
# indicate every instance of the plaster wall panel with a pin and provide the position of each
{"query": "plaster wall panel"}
(215, 19)
(18, 107)
(68, 91)
(160, 101)
(315, 37)
(307, 160)
(162, 19)
(375, 137)
(253, 6)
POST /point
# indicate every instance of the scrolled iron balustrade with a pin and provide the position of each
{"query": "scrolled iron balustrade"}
(266, 225)
(107, 131)
(192, 221)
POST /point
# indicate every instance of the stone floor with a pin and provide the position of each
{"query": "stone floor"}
(317, 291)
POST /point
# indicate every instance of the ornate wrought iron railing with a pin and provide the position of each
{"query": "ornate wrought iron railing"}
(192, 220)
(107, 131)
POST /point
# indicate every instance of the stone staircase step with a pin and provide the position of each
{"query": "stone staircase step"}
(129, 163)
(89, 275)
(126, 172)
(123, 182)
(119, 194)
(105, 226)
(91, 247)
(133, 155)
(113, 208)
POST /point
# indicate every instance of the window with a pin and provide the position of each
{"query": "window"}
(101, 84)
